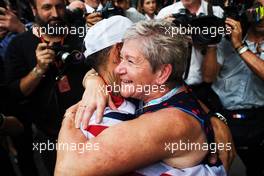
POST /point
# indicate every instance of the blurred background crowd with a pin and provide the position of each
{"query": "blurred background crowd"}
(34, 93)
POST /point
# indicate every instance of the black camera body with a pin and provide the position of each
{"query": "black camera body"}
(184, 17)
(66, 55)
(110, 10)
(196, 25)
(76, 17)
(237, 11)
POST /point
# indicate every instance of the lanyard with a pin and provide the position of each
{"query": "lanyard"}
(163, 98)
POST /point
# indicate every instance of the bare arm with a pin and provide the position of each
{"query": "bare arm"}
(222, 135)
(210, 67)
(29, 83)
(44, 57)
(255, 63)
(127, 146)
(95, 97)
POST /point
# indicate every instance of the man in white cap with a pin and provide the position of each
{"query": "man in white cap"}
(103, 45)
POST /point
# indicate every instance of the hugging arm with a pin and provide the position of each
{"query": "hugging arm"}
(94, 98)
(126, 146)
(222, 132)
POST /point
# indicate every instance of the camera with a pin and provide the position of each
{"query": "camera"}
(110, 10)
(204, 30)
(237, 11)
(65, 54)
(76, 16)
(184, 17)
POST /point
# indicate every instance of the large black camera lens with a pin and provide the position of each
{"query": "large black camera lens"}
(210, 30)
(110, 10)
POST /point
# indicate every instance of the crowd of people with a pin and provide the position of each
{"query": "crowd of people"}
(130, 88)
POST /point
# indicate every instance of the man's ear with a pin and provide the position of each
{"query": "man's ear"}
(119, 46)
(163, 74)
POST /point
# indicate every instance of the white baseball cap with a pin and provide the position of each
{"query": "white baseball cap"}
(105, 33)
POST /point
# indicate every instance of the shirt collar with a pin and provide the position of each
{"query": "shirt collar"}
(163, 98)
(89, 9)
(202, 9)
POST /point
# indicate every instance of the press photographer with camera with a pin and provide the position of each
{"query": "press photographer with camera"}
(195, 8)
(114, 7)
(239, 83)
(44, 71)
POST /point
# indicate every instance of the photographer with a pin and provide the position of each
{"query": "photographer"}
(92, 8)
(115, 7)
(37, 74)
(239, 83)
(10, 24)
(195, 76)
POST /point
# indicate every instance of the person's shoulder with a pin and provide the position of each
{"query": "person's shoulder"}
(172, 123)
(134, 15)
(22, 38)
(173, 8)
(173, 116)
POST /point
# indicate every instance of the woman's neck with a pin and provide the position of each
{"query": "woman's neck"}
(163, 91)
(151, 16)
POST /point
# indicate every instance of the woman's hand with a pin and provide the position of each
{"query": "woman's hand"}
(95, 98)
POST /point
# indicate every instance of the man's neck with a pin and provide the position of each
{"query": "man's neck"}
(194, 7)
(110, 79)
(90, 4)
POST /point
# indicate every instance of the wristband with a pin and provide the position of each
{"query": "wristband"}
(240, 50)
(38, 72)
(218, 115)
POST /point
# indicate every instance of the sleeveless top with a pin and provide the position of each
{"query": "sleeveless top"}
(183, 101)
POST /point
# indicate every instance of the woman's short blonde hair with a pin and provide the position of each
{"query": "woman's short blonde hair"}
(160, 47)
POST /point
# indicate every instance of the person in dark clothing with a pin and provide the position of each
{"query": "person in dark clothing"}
(37, 75)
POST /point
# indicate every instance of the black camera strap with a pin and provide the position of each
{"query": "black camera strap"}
(188, 63)
(210, 8)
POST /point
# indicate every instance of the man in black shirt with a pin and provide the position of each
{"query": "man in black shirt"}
(37, 75)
